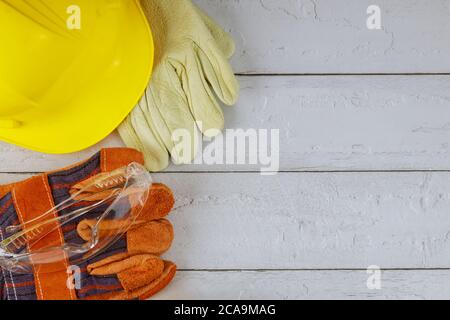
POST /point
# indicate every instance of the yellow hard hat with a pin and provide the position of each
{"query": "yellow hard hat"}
(70, 70)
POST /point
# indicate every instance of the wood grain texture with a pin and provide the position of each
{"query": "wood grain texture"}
(326, 123)
(328, 36)
(347, 285)
(303, 225)
(312, 220)
(309, 220)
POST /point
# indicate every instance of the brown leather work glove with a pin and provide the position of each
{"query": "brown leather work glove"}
(129, 269)
(140, 270)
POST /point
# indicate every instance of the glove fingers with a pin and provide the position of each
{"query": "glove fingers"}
(219, 74)
(164, 279)
(159, 203)
(134, 273)
(141, 275)
(146, 291)
(150, 109)
(155, 153)
(115, 265)
(107, 261)
(168, 109)
(154, 237)
(223, 39)
(107, 227)
(128, 135)
(202, 101)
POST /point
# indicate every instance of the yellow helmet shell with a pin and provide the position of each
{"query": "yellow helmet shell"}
(70, 71)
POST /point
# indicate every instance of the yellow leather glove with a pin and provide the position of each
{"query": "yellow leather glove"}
(191, 64)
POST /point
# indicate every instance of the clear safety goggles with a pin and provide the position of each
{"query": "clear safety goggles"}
(117, 196)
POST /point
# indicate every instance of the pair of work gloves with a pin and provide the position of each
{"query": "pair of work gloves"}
(131, 268)
(191, 69)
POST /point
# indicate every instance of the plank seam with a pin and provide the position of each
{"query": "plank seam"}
(310, 270)
(339, 74)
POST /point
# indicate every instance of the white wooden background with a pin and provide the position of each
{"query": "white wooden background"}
(364, 118)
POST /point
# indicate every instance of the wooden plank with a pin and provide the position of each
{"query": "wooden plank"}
(348, 285)
(326, 123)
(342, 220)
(328, 36)
(309, 220)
